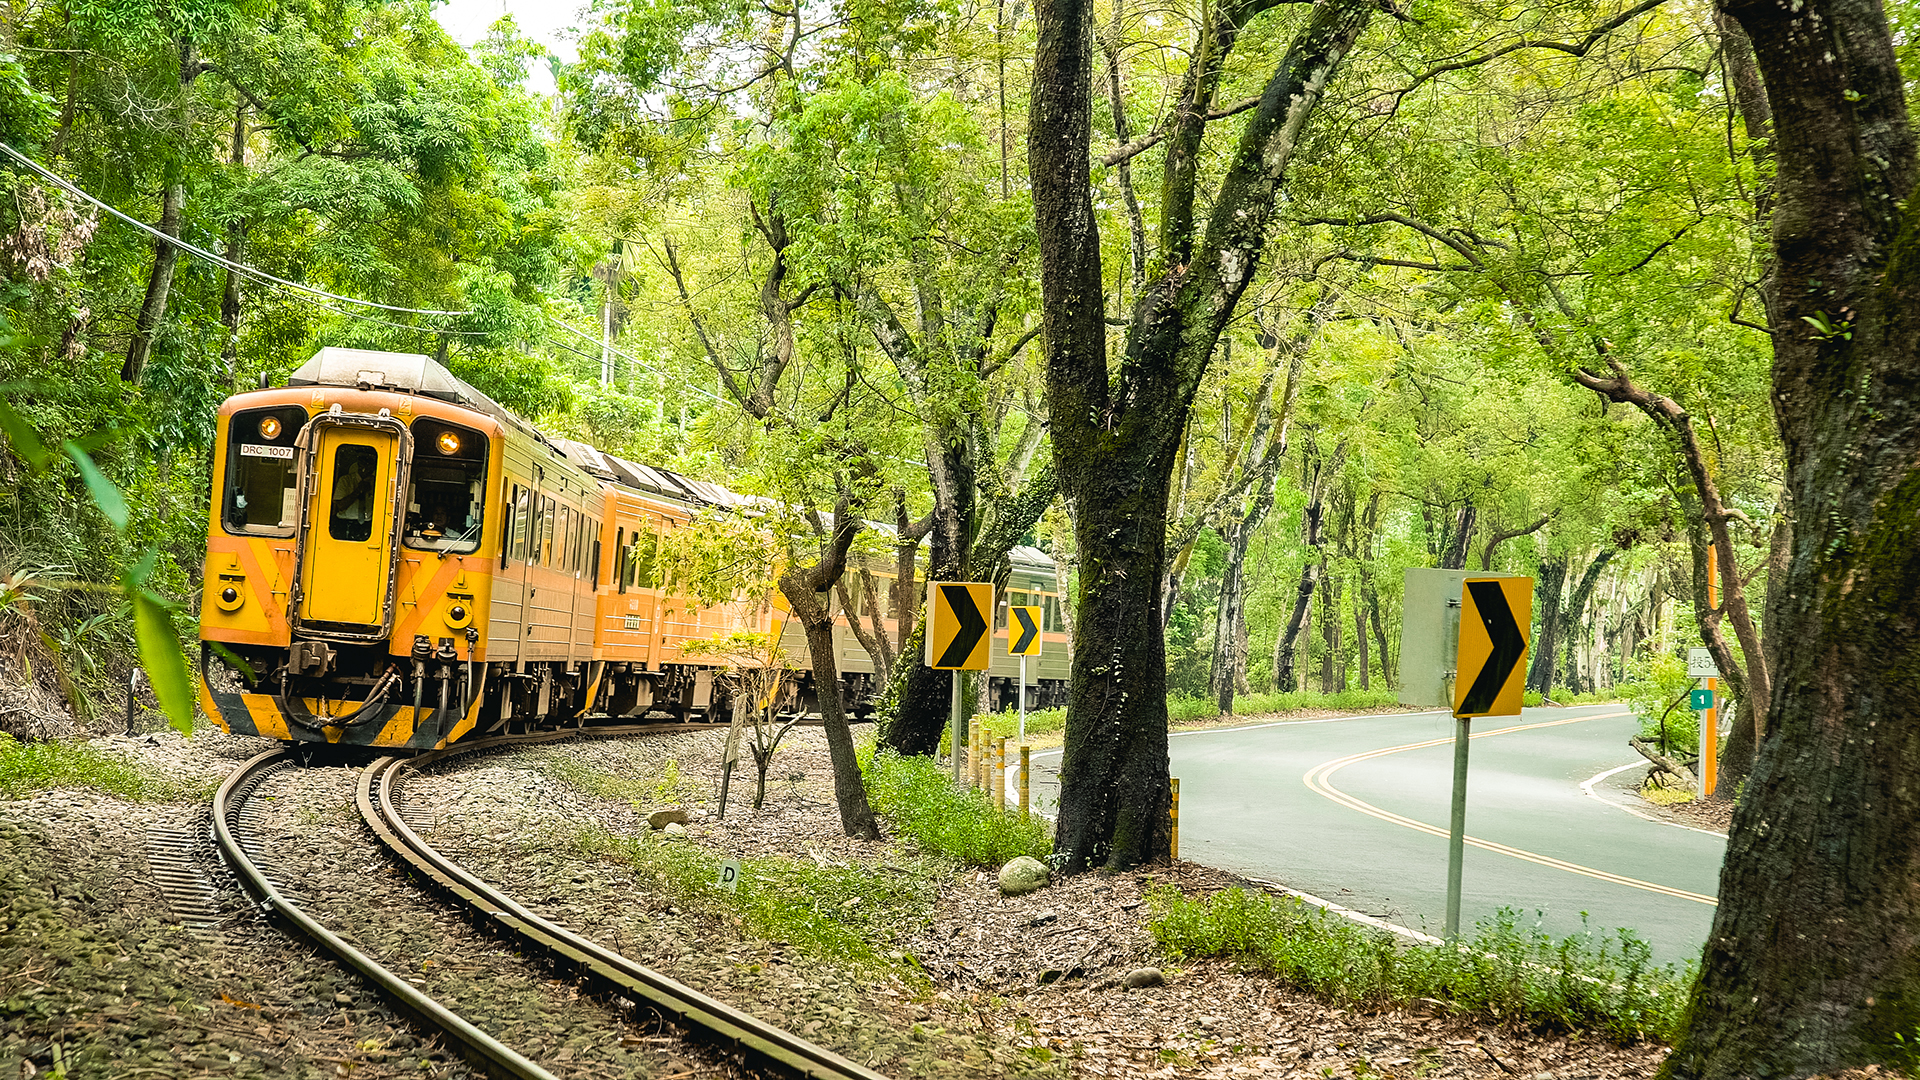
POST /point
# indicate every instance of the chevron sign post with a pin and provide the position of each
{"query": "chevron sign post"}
(1490, 675)
(957, 638)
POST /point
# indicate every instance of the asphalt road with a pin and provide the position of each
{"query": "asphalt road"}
(1355, 810)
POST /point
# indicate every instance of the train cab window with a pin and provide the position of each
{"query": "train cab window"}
(356, 471)
(263, 472)
(1050, 615)
(447, 491)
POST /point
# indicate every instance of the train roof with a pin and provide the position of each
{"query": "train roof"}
(407, 373)
(414, 373)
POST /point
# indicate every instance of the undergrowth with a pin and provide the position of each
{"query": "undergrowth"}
(825, 910)
(1586, 982)
(920, 801)
(27, 767)
(643, 791)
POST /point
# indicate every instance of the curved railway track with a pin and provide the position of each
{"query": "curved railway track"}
(758, 1043)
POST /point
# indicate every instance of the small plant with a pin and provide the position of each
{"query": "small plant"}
(920, 801)
(760, 685)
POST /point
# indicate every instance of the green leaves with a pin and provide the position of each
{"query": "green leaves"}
(160, 654)
(106, 494)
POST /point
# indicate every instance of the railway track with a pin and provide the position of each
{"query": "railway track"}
(759, 1044)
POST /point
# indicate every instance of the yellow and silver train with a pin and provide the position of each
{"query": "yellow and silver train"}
(394, 560)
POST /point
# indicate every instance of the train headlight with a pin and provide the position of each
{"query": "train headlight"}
(448, 442)
(458, 616)
(230, 599)
(269, 428)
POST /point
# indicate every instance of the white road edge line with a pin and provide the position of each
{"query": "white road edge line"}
(1360, 917)
(1586, 788)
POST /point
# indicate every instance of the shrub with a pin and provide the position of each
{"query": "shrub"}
(920, 801)
(1586, 982)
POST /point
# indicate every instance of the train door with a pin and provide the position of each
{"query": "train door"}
(526, 548)
(355, 469)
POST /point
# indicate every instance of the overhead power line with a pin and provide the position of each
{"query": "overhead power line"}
(68, 186)
(262, 276)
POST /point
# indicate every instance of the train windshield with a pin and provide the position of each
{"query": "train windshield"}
(262, 472)
(447, 493)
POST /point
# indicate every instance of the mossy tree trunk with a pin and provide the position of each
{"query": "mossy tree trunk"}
(1116, 435)
(1813, 964)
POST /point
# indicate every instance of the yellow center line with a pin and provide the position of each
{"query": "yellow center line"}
(1319, 779)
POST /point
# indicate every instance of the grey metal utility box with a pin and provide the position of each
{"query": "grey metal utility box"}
(1430, 636)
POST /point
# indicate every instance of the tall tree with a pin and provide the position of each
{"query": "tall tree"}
(1812, 963)
(1116, 435)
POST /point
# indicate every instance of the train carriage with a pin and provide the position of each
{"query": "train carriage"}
(394, 560)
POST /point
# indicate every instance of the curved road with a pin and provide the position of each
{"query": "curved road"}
(1355, 810)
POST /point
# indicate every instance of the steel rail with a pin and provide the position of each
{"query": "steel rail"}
(757, 1040)
(475, 1045)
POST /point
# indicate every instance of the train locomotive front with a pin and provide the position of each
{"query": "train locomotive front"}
(352, 555)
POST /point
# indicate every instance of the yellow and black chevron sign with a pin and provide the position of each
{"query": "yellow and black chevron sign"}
(1023, 631)
(957, 637)
(1495, 614)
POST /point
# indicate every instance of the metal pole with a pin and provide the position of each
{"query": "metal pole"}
(1023, 699)
(1026, 792)
(1457, 836)
(956, 726)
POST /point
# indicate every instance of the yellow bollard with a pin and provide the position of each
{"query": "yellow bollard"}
(973, 754)
(1026, 792)
(1175, 810)
(1000, 772)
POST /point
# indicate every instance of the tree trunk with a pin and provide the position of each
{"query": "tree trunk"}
(1546, 640)
(804, 586)
(1454, 556)
(1360, 641)
(1812, 964)
(159, 284)
(236, 242)
(1574, 615)
(1284, 647)
(1389, 673)
(1115, 446)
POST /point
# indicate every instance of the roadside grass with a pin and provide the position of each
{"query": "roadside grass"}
(1584, 983)
(27, 767)
(1660, 796)
(830, 911)
(920, 802)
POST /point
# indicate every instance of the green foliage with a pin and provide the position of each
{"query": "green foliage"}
(1507, 971)
(27, 767)
(1657, 693)
(25, 113)
(920, 802)
(831, 911)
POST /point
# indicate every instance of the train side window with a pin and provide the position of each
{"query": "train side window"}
(620, 559)
(593, 556)
(545, 540)
(563, 532)
(522, 522)
(506, 528)
(647, 561)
